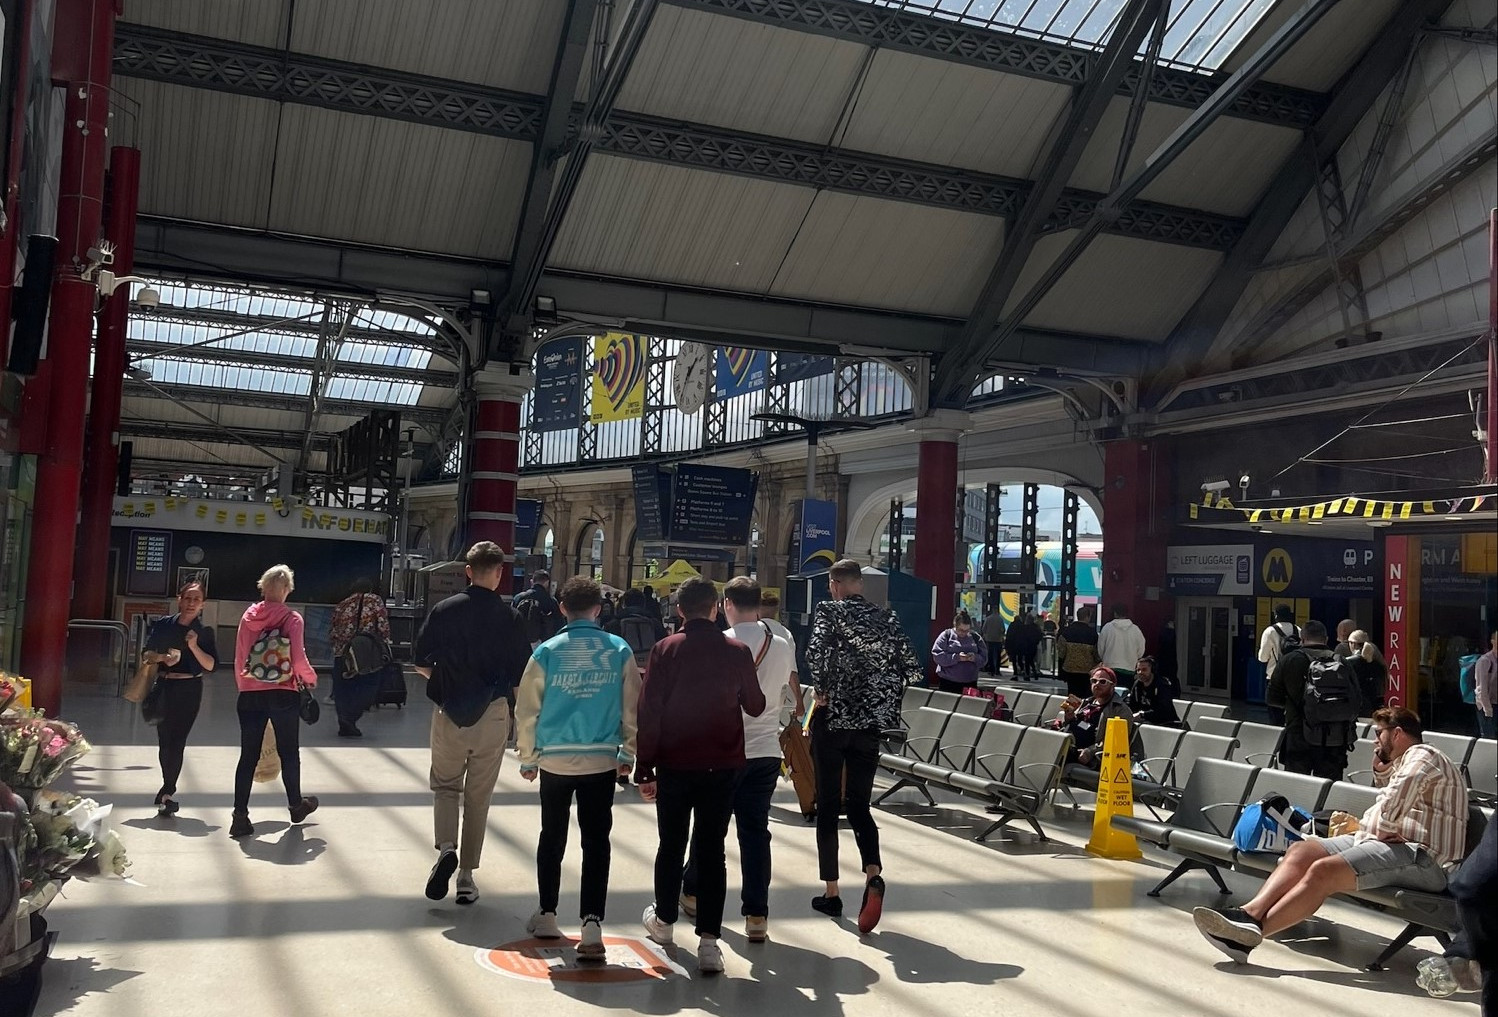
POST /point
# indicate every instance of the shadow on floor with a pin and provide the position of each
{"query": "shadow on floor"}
(293, 847)
(184, 826)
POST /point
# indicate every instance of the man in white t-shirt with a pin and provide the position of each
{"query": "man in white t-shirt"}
(775, 660)
(1279, 638)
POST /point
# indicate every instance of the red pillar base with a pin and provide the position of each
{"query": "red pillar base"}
(1136, 530)
(490, 512)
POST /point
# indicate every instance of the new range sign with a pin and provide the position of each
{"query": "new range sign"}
(1210, 570)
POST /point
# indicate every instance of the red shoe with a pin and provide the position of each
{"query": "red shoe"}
(873, 904)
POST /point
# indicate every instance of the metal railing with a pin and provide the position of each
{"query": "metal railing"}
(122, 659)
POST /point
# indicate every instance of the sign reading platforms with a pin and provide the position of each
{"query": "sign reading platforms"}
(712, 504)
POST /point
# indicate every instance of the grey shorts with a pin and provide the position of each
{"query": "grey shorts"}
(1382, 863)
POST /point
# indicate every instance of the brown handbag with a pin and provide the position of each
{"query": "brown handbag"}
(140, 683)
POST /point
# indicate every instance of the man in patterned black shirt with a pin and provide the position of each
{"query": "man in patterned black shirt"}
(861, 662)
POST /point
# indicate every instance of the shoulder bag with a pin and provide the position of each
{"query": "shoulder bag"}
(366, 652)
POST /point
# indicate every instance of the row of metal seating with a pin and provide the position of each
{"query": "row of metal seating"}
(1200, 831)
(1032, 706)
(1014, 768)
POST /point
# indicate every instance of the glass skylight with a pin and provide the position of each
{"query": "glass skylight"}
(1200, 35)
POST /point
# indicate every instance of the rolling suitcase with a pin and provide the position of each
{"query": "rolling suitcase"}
(392, 689)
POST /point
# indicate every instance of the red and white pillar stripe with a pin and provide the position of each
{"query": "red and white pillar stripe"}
(495, 460)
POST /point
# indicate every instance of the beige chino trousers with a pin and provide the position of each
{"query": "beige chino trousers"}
(465, 765)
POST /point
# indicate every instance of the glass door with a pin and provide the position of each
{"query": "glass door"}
(1204, 650)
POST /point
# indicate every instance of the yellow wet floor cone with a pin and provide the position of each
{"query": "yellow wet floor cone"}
(1115, 796)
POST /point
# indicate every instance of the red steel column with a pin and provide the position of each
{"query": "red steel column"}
(495, 461)
(82, 49)
(936, 509)
(1137, 517)
(90, 597)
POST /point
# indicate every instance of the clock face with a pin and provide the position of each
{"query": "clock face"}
(689, 381)
(193, 555)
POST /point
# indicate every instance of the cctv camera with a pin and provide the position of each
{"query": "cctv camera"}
(149, 298)
(1243, 480)
(1215, 485)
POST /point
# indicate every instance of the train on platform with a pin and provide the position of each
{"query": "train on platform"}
(1047, 573)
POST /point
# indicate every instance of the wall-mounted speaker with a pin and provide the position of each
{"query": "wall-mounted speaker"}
(29, 307)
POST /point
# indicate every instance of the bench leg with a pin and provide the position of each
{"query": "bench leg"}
(1399, 943)
(1180, 870)
(899, 784)
(1035, 825)
(992, 827)
(1217, 878)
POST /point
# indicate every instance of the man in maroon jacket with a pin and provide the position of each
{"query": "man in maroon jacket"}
(691, 745)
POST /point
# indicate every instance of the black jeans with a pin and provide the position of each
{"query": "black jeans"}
(181, 698)
(280, 709)
(595, 820)
(1328, 762)
(858, 751)
(753, 790)
(696, 803)
(353, 696)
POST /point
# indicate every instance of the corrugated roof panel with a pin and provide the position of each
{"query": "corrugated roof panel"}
(650, 221)
(503, 43)
(868, 251)
(208, 154)
(255, 22)
(732, 73)
(1328, 50)
(936, 111)
(397, 184)
(1225, 170)
(1120, 286)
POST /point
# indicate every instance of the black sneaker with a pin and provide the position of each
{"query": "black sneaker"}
(167, 805)
(442, 872)
(241, 825)
(832, 907)
(305, 808)
(1231, 930)
(349, 731)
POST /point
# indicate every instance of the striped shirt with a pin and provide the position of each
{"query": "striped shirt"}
(1424, 802)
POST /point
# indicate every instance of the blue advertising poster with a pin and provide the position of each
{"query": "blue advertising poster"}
(712, 504)
(791, 367)
(741, 371)
(527, 523)
(817, 534)
(556, 403)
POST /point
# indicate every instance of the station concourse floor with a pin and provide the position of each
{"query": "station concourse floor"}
(329, 918)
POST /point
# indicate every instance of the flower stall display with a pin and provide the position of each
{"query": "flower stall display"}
(52, 836)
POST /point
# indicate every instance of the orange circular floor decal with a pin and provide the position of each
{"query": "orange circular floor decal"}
(555, 960)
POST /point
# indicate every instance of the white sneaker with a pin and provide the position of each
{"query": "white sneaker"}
(709, 956)
(590, 945)
(543, 925)
(658, 931)
(756, 928)
(467, 893)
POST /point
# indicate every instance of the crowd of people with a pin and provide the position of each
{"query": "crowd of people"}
(598, 696)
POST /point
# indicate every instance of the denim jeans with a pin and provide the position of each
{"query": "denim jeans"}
(858, 751)
(595, 821)
(753, 789)
(695, 803)
(279, 708)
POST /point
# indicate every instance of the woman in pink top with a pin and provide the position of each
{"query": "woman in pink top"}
(270, 660)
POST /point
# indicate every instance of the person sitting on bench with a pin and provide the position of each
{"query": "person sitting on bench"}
(1087, 722)
(1413, 836)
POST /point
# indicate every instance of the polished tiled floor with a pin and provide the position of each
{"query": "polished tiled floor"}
(330, 918)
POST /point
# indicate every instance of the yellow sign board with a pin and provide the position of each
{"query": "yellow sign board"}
(1115, 796)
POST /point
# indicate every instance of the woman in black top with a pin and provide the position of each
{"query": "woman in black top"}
(183, 648)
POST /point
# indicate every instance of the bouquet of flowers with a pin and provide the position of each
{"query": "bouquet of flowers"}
(34, 749)
(10, 690)
(70, 836)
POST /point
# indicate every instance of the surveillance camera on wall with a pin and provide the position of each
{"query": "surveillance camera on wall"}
(1215, 485)
(1243, 480)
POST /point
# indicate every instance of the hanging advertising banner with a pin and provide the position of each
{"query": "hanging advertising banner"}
(277, 517)
(1401, 630)
(791, 367)
(618, 378)
(816, 534)
(741, 371)
(556, 402)
(1210, 570)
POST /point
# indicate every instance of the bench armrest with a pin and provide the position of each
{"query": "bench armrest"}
(1145, 763)
(1268, 757)
(992, 755)
(1219, 805)
(943, 750)
(1055, 769)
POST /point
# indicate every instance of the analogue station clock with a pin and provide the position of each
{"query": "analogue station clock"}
(690, 379)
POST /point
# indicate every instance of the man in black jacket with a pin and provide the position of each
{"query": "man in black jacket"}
(1327, 756)
(538, 609)
(472, 650)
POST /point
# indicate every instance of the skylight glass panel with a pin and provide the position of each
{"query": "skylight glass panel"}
(384, 354)
(210, 375)
(1200, 35)
(367, 390)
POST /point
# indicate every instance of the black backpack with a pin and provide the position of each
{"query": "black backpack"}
(639, 633)
(534, 616)
(1332, 702)
(1288, 643)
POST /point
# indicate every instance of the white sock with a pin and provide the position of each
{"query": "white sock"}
(445, 847)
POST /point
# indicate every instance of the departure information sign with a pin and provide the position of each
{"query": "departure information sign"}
(650, 509)
(712, 504)
(148, 563)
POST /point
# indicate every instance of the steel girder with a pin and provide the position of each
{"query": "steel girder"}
(1368, 236)
(239, 322)
(175, 431)
(426, 416)
(142, 349)
(885, 28)
(1191, 343)
(199, 62)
